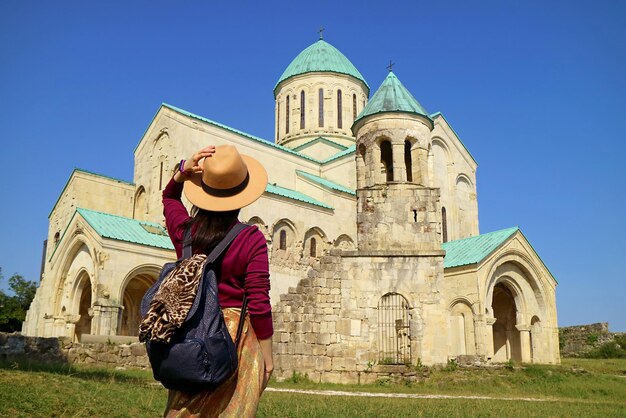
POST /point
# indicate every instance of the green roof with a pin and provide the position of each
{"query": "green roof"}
(392, 96)
(126, 229)
(473, 250)
(295, 195)
(246, 135)
(321, 57)
(326, 183)
(320, 139)
(348, 151)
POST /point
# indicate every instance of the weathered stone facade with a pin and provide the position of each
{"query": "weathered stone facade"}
(357, 213)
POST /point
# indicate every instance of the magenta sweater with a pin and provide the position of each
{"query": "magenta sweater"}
(244, 265)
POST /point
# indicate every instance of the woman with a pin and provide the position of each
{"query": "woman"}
(219, 181)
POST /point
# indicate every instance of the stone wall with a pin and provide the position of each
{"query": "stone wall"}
(14, 347)
(576, 341)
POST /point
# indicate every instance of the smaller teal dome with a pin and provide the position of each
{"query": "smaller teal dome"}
(320, 57)
(392, 96)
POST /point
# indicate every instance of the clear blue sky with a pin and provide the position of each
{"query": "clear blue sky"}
(535, 89)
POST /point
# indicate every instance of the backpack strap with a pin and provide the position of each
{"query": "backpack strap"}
(225, 242)
(217, 251)
(242, 319)
(187, 240)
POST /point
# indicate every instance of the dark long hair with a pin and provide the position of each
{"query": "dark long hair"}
(209, 227)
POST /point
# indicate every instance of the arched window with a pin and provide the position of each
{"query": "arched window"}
(386, 160)
(283, 240)
(394, 344)
(277, 119)
(339, 117)
(302, 110)
(287, 115)
(320, 121)
(353, 106)
(444, 224)
(161, 177)
(407, 161)
(313, 251)
(362, 151)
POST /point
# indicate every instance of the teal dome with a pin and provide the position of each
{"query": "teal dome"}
(320, 57)
(392, 96)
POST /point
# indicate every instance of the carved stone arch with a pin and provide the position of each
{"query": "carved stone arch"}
(462, 177)
(384, 158)
(162, 158)
(531, 272)
(66, 255)
(473, 305)
(291, 235)
(259, 223)
(133, 287)
(344, 243)
(461, 329)
(82, 297)
(140, 206)
(514, 291)
(315, 243)
(440, 142)
(465, 214)
(414, 160)
(289, 92)
(144, 269)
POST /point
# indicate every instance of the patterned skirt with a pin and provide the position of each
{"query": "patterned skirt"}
(236, 397)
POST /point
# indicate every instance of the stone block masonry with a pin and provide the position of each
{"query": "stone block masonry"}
(15, 347)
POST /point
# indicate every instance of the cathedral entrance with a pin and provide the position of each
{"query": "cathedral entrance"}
(506, 337)
(135, 288)
(83, 294)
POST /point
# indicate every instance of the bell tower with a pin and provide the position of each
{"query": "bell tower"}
(396, 208)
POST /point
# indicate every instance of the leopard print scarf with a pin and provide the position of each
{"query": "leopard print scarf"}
(172, 302)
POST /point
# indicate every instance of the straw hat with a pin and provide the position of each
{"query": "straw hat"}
(229, 181)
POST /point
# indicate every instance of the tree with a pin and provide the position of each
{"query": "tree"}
(13, 308)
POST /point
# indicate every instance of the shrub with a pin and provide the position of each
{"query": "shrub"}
(451, 365)
(608, 350)
(297, 377)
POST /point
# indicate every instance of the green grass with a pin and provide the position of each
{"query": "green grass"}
(579, 387)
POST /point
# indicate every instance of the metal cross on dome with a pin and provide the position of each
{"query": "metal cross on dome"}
(390, 66)
(321, 32)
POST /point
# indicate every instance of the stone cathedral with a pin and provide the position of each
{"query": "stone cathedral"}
(371, 219)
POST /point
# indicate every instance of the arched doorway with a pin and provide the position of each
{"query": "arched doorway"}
(82, 295)
(394, 343)
(135, 288)
(506, 337)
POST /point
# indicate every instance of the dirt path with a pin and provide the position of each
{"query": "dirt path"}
(404, 395)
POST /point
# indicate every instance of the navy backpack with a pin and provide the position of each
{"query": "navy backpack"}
(201, 354)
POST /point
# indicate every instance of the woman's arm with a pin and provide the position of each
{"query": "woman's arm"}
(173, 209)
(266, 349)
